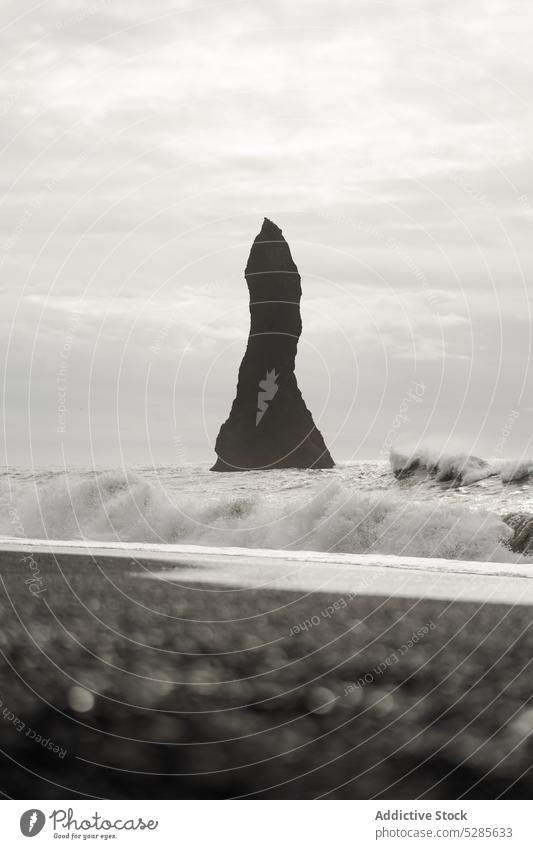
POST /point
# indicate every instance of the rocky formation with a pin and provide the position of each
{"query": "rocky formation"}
(269, 426)
(522, 525)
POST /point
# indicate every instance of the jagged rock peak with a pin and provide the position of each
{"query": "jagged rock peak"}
(270, 252)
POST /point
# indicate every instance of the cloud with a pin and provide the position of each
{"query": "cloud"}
(142, 144)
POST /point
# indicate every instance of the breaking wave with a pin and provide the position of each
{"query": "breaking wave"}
(333, 517)
(458, 468)
(516, 470)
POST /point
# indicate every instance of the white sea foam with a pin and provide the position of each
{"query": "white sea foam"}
(325, 516)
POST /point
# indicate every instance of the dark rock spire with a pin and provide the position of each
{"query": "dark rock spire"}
(269, 426)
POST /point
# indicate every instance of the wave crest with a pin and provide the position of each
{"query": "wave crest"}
(457, 468)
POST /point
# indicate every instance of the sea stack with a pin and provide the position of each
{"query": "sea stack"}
(269, 426)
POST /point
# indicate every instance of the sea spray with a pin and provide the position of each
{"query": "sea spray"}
(317, 513)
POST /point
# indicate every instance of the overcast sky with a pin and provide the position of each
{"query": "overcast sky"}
(142, 144)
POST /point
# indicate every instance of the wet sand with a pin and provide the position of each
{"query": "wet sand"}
(154, 688)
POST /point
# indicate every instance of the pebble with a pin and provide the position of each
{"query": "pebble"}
(80, 699)
(522, 724)
(320, 700)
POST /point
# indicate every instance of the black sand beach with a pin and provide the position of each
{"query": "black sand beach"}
(202, 692)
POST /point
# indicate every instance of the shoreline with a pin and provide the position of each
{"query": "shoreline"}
(390, 576)
(194, 690)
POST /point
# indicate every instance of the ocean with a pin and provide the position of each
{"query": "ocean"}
(423, 505)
